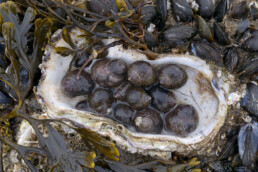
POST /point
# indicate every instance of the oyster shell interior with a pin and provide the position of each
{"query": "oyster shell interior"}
(203, 90)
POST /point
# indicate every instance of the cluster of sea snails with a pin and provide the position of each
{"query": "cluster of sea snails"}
(138, 95)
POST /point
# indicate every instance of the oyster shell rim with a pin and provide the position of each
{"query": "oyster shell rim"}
(132, 141)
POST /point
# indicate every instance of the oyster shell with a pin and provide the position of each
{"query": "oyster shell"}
(204, 90)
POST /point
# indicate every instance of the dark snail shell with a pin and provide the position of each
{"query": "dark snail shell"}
(121, 90)
(82, 105)
(137, 98)
(109, 73)
(124, 113)
(71, 86)
(172, 76)
(148, 121)
(182, 120)
(162, 99)
(141, 73)
(100, 100)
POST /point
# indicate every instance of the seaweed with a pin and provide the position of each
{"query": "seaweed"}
(60, 156)
(156, 166)
(116, 18)
(16, 48)
(106, 147)
(23, 63)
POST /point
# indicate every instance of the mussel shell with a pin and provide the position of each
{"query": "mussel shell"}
(254, 77)
(148, 13)
(109, 73)
(172, 76)
(124, 113)
(148, 121)
(220, 36)
(24, 77)
(137, 98)
(251, 44)
(249, 101)
(254, 12)
(73, 86)
(242, 27)
(247, 143)
(206, 52)
(203, 28)
(4, 99)
(248, 67)
(219, 166)
(3, 63)
(220, 10)
(231, 59)
(182, 120)
(80, 60)
(150, 40)
(100, 100)
(182, 10)
(240, 10)
(98, 47)
(141, 73)
(178, 34)
(162, 99)
(101, 7)
(206, 8)
(161, 17)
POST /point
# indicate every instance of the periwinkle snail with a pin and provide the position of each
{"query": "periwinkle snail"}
(132, 96)
(73, 86)
(162, 99)
(148, 121)
(172, 76)
(141, 73)
(124, 113)
(182, 120)
(109, 73)
(137, 98)
(121, 90)
(100, 100)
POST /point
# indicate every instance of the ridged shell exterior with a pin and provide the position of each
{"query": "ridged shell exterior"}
(58, 106)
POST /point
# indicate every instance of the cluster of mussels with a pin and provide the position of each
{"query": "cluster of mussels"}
(134, 95)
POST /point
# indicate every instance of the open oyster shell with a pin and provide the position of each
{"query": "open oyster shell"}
(204, 90)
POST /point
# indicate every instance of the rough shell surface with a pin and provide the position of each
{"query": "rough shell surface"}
(205, 91)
